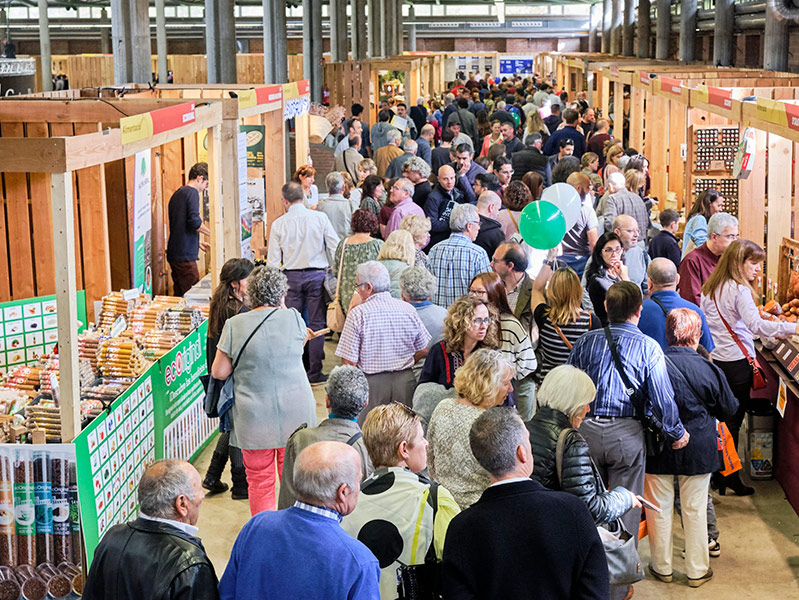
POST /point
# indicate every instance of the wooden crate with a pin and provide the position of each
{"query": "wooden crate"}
(789, 262)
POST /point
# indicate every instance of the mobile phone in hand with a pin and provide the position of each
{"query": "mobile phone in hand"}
(648, 504)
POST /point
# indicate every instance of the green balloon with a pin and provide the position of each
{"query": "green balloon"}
(542, 225)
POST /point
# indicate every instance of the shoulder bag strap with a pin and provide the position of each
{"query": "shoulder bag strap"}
(354, 438)
(274, 310)
(340, 266)
(560, 333)
(446, 360)
(735, 337)
(630, 391)
(513, 219)
(660, 304)
(560, 447)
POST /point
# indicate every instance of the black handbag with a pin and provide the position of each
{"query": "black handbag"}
(624, 562)
(219, 393)
(654, 441)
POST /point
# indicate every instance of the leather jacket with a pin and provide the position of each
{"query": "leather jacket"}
(150, 560)
(580, 476)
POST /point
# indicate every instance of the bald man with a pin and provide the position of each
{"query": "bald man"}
(635, 256)
(287, 554)
(425, 143)
(491, 234)
(450, 190)
(663, 280)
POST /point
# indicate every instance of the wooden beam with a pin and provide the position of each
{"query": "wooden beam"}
(21, 155)
(231, 241)
(752, 211)
(301, 142)
(780, 154)
(276, 174)
(67, 303)
(215, 203)
(74, 111)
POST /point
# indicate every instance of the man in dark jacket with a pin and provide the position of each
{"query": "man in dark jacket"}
(530, 159)
(468, 122)
(441, 156)
(568, 132)
(418, 114)
(157, 555)
(491, 234)
(488, 547)
(509, 139)
(450, 190)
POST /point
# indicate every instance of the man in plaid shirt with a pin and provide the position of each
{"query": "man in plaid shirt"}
(383, 337)
(456, 260)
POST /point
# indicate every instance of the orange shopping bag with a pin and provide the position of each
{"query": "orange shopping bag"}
(731, 462)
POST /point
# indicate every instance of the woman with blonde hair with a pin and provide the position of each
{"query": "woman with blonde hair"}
(613, 152)
(365, 168)
(590, 166)
(729, 301)
(349, 191)
(396, 255)
(304, 175)
(419, 228)
(535, 124)
(557, 310)
(483, 381)
(471, 324)
(636, 182)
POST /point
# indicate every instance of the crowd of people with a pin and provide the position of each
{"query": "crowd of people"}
(494, 402)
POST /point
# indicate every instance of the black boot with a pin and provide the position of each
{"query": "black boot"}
(735, 484)
(240, 491)
(211, 481)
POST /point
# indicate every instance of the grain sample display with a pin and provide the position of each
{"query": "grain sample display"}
(9, 586)
(74, 514)
(24, 510)
(62, 530)
(58, 585)
(8, 539)
(43, 500)
(33, 586)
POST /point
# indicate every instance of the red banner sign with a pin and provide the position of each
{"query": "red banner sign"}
(614, 71)
(173, 117)
(672, 86)
(644, 77)
(304, 87)
(719, 97)
(792, 113)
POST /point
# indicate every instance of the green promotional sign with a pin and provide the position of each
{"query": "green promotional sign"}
(160, 416)
(255, 145)
(29, 329)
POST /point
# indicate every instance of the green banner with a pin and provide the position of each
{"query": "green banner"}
(255, 145)
(160, 416)
(29, 329)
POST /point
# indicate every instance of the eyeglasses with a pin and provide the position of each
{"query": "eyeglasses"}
(474, 292)
(497, 260)
(636, 230)
(357, 285)
(618, 250)
(474, 223)
(480, 322)
(730, 236)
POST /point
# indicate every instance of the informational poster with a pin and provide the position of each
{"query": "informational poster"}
(29, 329)
(142, 223)
(245, 210)
(202, 146)
(255, 145)
(782, 398)
(160, 416)
(511, 66)
(256, 196)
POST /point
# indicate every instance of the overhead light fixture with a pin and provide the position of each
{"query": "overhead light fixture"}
(500, 6)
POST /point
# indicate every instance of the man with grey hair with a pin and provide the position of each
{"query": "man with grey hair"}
(387, 153)
(418, 172)
(635, 258)
(531, 159)
(401, 196)
(383, 337)
(157, 555)
(696, 267)
(395, 167)
(289, 553)
(491, 234)
(302, 243)
(425, 143)
(449, 108)
(416, 287)
(487, 549)
(347, 395)
(456, 260)
(337, 208)
(622, 201)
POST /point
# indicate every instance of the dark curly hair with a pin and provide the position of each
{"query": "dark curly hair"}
(363, 221)
(517, 196)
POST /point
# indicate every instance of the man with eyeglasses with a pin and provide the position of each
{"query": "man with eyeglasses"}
(503, 169)
(634, 257)
(696, 267)
(401, 196)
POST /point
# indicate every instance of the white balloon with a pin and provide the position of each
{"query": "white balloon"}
(566, 198)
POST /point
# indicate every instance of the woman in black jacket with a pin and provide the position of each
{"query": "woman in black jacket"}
(563, 400)
(229, 299)
(702, 395)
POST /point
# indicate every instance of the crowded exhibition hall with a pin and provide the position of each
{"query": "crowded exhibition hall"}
(399, 300)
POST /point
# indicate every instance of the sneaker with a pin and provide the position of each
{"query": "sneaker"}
(661, 577)
(319, 379)
(714, 548)
(695, 583)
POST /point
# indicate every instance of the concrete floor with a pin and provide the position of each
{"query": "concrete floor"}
(759, 538)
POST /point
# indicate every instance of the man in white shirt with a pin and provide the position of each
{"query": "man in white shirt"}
(302, 243)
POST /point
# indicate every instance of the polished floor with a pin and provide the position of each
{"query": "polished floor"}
(759, 539)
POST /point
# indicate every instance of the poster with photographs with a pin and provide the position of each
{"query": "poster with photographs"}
(29, 329)
(40, 540)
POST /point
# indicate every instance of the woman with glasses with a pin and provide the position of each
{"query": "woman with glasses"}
(514, 342)
(604, 269)
(471, 324)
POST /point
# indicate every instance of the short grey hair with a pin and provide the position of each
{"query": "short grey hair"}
(161, 484)
(662, 271)
(266, 286)
(321, 469)
(719, 222)
(348, 390)
(461, 216)
(416, 164)
(501, 105)
(417, 284)
(616, 179)
(334, 182)
(566, 389)
(374, 273)
(406, 185)
(409, 145)
(393, 136)
(494, 437)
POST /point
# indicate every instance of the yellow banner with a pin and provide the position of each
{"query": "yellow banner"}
(772, 111)
(704, 96)
(247, 98)
(135, 128)
(290, 91)
(202, 146)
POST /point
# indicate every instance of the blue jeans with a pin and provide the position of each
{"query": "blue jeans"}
(307, 296)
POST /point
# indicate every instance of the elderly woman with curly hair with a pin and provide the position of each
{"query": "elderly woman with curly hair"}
(471, 324)
(273, 395)
(355, 250)
(483, 381)
(397, 255)
(419, 228)
(516, 196)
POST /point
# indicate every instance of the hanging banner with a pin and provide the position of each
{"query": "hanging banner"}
(245, 212)
(256, 196)
(719, 97)
(142, 223)
(672, 86)
(295, 99)
(255, 145)
(139, 127)
(791, 115)
(643, 77)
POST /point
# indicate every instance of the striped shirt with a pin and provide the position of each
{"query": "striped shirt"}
(515, 346)
(643, 361)
(552, 350)
(319, 510)
(455, 261)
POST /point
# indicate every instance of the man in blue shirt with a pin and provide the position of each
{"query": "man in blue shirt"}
(663, 280)
(302, 551)
(613, 427)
